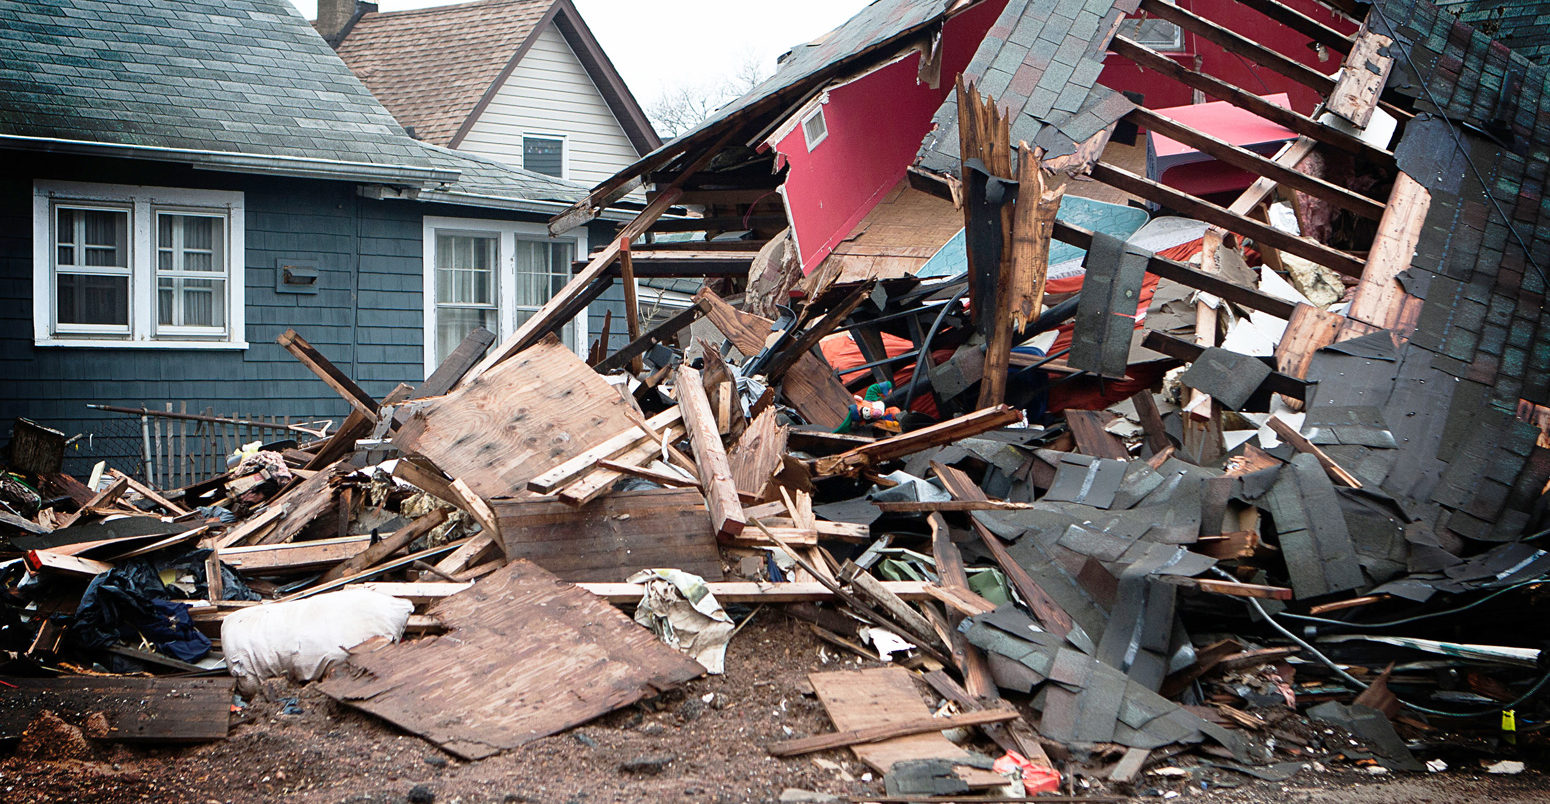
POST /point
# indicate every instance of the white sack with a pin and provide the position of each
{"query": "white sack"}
(301, 639)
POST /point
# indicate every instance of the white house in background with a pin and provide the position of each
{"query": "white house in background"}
(523, 82)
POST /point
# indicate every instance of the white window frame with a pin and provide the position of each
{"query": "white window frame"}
(547, 135)
(509, 233)
(143, 203)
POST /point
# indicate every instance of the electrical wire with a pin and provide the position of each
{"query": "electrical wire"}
(1352, 680)
(925, 347)
(1458, 145)
(1417, 618)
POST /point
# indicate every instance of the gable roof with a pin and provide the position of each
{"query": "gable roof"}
(245, 84)
(436, 68)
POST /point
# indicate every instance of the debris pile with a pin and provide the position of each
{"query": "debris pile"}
(1109, 494)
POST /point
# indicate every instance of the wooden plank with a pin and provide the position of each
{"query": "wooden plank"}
(898, 446)
(252, 526)
(305, 502)
(1244, 159)
(458, 363)
(1050, 614)
(328, 373)
(1033, 225)
(1186, 204)
(293, 556)
(1129, 765)
(907, 621)
(1091, 439)
(844, 739)
(951, 505)
(427, 480)
(150, 494)
(1236, 589)
(1335, 471)
(549, 656)
(631, 304)
(402, 561)
(355, 427)
(886, 696)
(1380, 300)
(469, 553)
(630, 593)
(984, 134)
(1367, 67)
(804, 342)
(149, 710)
(642, 344)
(390, 544)
(98, 500)
(1289, 156)
(521, 418)
(759, 454)
(601, 479)
(1150, 59)
(1309, 330)
(810, 385)
(613, 537)
(569, 471)
(477, 508)
(548, 317)
(60, 563)
(721, 500)
(1155, 436)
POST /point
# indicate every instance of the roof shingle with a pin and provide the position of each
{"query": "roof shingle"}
(431, 66)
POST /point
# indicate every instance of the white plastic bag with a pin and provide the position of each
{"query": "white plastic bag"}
(301, 639)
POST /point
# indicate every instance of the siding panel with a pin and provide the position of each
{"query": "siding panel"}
(550, 92)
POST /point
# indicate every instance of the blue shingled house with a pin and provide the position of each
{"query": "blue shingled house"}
(183, 180)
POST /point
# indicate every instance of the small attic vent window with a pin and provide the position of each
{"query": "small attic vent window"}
(815, 128)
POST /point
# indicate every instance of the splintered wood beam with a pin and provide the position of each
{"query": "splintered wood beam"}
(1033, 221)
(1147, 58)
(864, 457)
(1189, 205)
(1050, 613)
(643, 344)
(1187, 274)
(390, 544)
(1380, 300)
(1361, 83)
(1301, 23)
(1309, 330)
(631, 304)
(710, 456)
(328, 373)
(1335, 471)
(809, 338)
(1289, 157)
(462, 359)
(984, 134)
(150, 494)
(1240, 45)
(550, 315)
(1252, 162)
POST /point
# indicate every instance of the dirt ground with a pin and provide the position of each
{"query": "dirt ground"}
(704, 743)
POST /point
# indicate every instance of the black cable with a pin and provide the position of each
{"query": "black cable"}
(1406, 620)
(1352, 680)
(925, 348)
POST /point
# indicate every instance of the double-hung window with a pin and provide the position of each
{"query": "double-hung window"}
(118, 265)
(492, 274)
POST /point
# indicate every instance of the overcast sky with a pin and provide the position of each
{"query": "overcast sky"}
(658, 44)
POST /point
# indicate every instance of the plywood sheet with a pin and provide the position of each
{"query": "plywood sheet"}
(516, 420)
(138, 709)
(525, 655)
(613, 537)
(882, 696)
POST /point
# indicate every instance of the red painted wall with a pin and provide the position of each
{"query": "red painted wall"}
(1119, 73)
(876, 125)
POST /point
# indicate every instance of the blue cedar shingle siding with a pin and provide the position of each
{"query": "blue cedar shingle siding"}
(367, 316)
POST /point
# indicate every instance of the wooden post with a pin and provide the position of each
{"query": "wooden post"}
(984, 134)
(721, 500)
